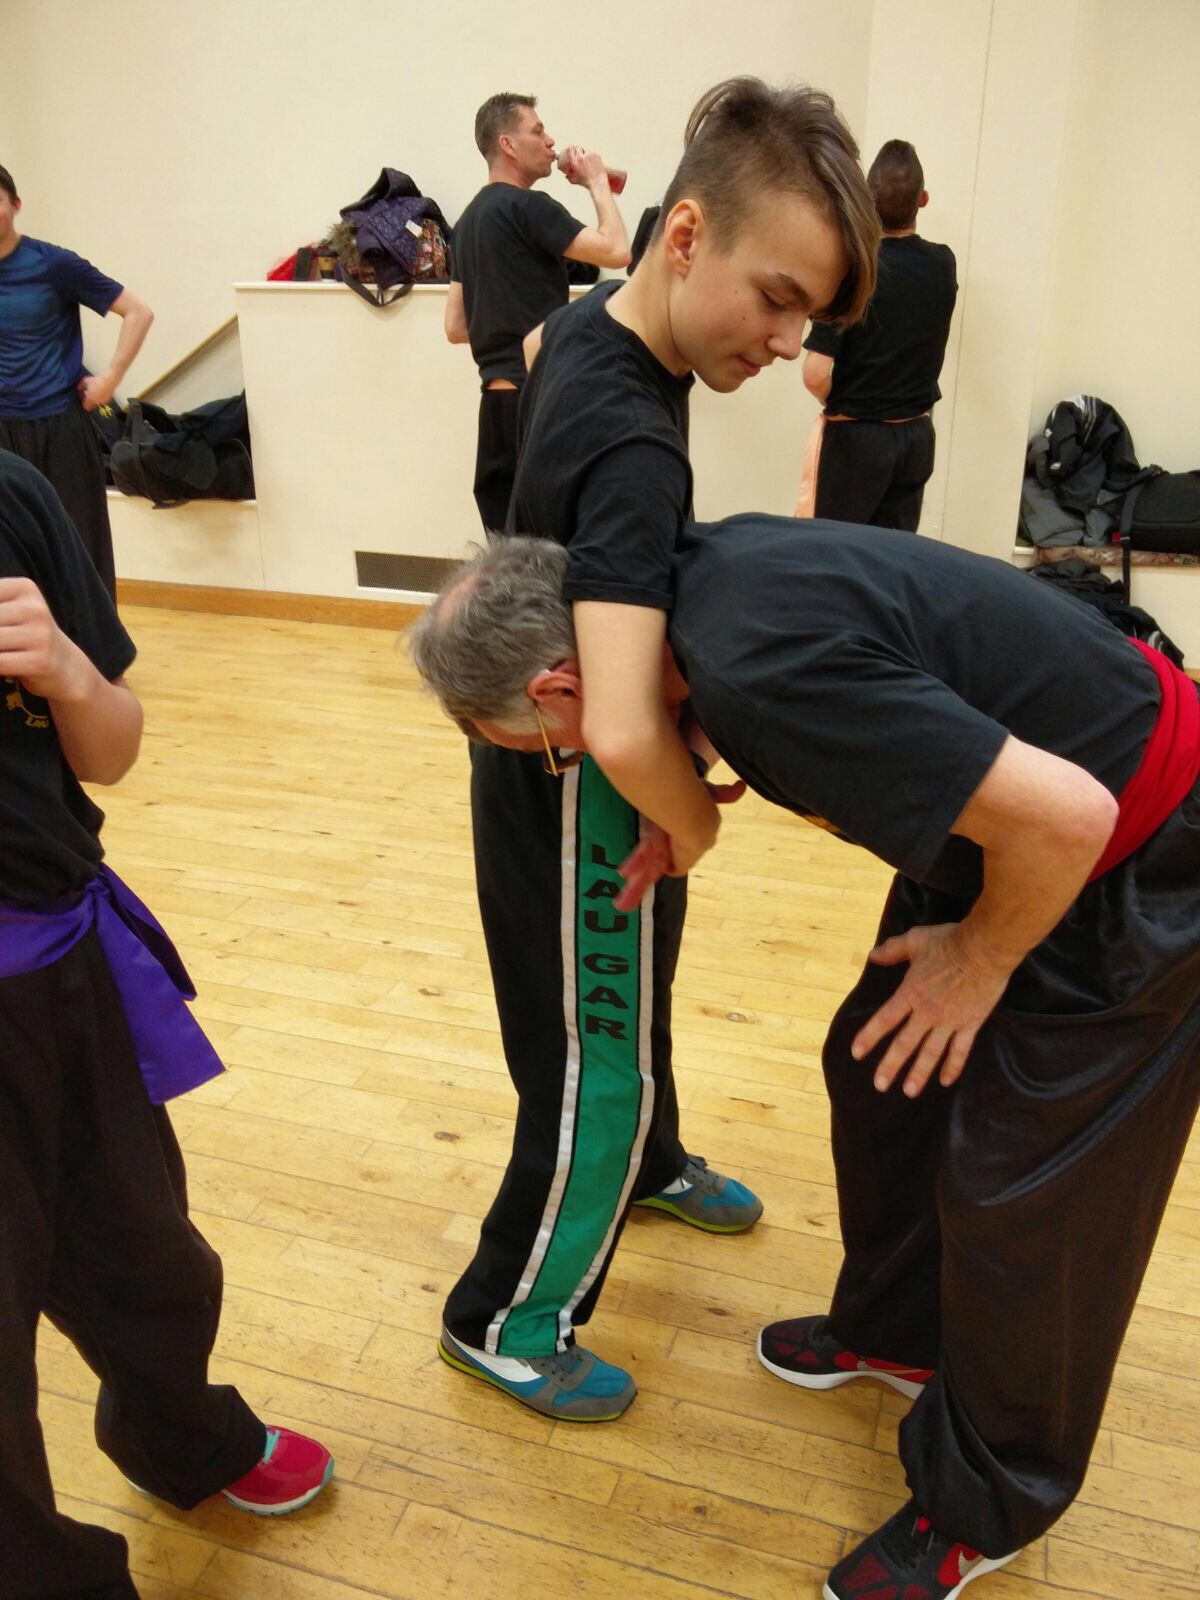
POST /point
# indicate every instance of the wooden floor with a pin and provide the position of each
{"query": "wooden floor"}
(299, 822)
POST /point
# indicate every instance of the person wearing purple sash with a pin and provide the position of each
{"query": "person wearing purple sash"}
(94, 1036)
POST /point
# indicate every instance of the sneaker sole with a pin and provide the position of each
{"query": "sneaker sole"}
(552, 1416)
(656, 1204)
(981, 1571)
(288, 1505)
(834, 1380)
(247, 1505)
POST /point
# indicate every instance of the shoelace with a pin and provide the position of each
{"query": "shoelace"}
(560, 1365)
(909, 1540)
(697, 1174)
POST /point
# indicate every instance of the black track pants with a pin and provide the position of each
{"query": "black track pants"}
(999, 1231)
(584, 996)
(94, 1233)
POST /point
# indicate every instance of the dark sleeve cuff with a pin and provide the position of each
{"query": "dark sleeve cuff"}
(617, 594)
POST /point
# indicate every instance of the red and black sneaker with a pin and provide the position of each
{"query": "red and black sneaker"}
(908, 1559)
(804, 1352)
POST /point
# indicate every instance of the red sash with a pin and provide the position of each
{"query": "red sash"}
(1168, 769)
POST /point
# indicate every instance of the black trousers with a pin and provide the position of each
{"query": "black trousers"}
(999, 1231)
(65, 449)
(94, 1233)
(584, 996)
(496, 456)
(875, 472)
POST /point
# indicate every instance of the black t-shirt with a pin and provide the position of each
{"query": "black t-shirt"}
(602, 464)
(508, 256)
(49, 829)
(887, 366)
(869, 678)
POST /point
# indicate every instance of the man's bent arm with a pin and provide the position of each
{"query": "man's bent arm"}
(531, 344)
(1042, 824)
(818, 375)
(607, 244)
(136, 317)
(628, 731)
(455, 321)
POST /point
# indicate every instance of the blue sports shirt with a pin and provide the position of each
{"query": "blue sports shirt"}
(42, 287)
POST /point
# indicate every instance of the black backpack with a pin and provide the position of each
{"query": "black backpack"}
(1161, 513)
(200, 455)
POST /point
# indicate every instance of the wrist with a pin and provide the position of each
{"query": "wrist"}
(985, 955)
(72, 681)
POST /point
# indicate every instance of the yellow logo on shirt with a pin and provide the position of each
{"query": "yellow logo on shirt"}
(14, 700)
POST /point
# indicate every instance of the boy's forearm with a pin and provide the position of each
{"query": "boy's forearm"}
(99, 724)
(655, 773)
(134, 327)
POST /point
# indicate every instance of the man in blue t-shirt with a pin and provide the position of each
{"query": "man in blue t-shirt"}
(43, 388)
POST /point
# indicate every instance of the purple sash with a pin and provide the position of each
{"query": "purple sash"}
(152, 982)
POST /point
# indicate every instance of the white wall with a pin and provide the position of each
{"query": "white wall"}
(928, 67)
(1059, 146)
(1123, 311)
(185, 145)
(1023, 113)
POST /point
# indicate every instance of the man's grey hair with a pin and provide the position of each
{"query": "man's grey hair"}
(499, 619)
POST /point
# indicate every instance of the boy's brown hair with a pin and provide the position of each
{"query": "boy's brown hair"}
(744, 137)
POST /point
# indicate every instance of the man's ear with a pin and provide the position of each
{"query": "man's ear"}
(924, 200)
(556, 683)
(684, 227)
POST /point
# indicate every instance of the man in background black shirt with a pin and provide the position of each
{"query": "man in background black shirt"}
(879, 380)
(509, 274)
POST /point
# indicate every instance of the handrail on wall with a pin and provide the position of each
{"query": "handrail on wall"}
(186, 360)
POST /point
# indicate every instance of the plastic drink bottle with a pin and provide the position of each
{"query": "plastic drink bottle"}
(617, 176)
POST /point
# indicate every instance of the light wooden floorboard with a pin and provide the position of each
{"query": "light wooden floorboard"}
(299, 820)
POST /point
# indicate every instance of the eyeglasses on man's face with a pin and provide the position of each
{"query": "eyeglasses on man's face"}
(552, 765)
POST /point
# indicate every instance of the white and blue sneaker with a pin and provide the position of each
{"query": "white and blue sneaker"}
(573, 1386)
(707, 1200)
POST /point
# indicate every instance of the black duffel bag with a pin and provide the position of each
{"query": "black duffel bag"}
(199, 455)
(1161, 513)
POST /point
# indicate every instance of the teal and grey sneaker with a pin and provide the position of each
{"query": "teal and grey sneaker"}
(575, 1386)
(707, 1200)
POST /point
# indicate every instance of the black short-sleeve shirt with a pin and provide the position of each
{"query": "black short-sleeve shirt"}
(49, 828)
(887, 366)
(508, 255)
(869, 678)
(602, 464)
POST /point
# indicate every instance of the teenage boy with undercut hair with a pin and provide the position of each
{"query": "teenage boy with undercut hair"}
(767, 223)
(509, 273)
(878, 381)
